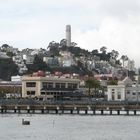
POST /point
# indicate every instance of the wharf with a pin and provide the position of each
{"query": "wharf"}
(72, 109)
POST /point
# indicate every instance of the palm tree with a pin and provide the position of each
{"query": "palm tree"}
(124, 58)
(92, 83)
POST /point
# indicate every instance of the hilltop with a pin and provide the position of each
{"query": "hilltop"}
(58, 57)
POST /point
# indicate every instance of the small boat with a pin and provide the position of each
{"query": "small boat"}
(25, 122)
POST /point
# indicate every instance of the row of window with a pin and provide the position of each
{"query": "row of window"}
(31, 84)
(133, 93)
(29, 93)
(129, 92)
(50, 85)
(59, 85)
(118, 96)
(52, 93)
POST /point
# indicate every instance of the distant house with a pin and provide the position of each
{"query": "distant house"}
(51, 61)
(66, 59)
(15, 78)
(29, 59)
(3, 55)
(125, 90)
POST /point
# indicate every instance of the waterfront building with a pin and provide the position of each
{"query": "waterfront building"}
(126, 90)
(10, 89)
(48, 87)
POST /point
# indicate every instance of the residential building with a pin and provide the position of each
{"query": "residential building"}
(51, 61)
(66, 59)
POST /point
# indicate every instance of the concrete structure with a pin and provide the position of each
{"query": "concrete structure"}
(125, 90)
(15, 78)
(68, 35)
(48, 87)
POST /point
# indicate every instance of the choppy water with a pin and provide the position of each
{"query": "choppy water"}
(68, 127)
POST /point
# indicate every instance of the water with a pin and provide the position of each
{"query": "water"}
(69, 127)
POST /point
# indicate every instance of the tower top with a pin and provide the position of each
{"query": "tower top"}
(68, 35)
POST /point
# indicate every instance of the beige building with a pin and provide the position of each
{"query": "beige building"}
(48, 87)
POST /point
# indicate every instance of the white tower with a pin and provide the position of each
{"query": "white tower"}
(68, 35)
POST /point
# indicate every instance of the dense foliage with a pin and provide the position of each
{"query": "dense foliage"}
(7, 69)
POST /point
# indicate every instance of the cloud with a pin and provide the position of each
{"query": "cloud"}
(34, 23)
(123, 37)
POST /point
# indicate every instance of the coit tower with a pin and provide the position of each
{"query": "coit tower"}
(68, 35)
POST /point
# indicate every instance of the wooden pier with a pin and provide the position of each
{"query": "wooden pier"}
(72, 109)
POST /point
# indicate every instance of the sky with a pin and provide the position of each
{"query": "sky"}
(94, 23)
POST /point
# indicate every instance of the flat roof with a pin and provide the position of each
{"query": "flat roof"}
(27, 78)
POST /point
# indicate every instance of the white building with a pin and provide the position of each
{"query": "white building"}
(125, 90)
(15, 78)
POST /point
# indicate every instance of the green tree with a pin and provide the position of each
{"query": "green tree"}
(112, 82)
(92, 83)
(7, 69)
(38, 64)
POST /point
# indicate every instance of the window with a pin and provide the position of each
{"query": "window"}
(62, 85)
(119, 95)
(113, 96)
(31, 84)
(50, 85)
(72, 85)
(69, 85)
(58, 85)
(128, 92)
(42, 93)
(30, 93)
(46, 85)
(134, 93)
(113, 89)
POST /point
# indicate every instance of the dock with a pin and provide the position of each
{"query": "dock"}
(72, 109)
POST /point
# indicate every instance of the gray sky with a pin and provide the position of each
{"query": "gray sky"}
(95, 23)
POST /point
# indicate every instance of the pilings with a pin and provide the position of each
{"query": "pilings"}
(79, 110)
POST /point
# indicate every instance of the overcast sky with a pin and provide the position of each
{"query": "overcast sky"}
(95, 23)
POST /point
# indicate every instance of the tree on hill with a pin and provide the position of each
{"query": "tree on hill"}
(103, 49)
(7, 69)
(124, 58)
(94, 52)
(53, 48)
(38, 64)
(4, 47)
